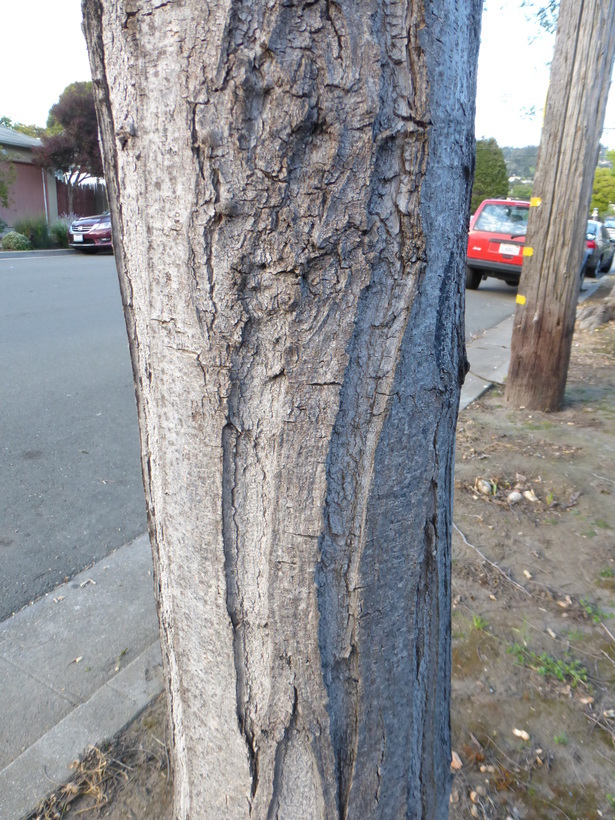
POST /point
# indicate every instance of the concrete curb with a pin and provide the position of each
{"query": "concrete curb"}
(30, 254)
(47, 763)
(62, 685)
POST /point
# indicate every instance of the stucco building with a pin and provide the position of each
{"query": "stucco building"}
(33, 191)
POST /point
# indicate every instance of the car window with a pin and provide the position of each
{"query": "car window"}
(610, 223)
(504, 218)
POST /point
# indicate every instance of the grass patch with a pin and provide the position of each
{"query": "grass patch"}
(565, 669)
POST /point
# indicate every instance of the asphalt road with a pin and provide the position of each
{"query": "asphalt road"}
(70, 480)
(70, 476)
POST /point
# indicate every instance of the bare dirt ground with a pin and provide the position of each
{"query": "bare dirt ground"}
(533, 712)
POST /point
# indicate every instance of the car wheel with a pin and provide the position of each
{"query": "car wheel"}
(473, 278)
(606, 264)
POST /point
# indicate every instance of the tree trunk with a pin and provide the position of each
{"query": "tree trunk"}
(548, 290)
(292, 280)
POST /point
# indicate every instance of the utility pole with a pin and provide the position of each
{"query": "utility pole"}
(548, 290)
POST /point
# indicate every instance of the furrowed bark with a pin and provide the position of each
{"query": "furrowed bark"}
(289, 186)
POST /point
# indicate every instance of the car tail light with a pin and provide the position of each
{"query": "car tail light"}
(591, 244)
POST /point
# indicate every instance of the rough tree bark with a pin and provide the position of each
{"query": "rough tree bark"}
(289, 185)
(548, 290)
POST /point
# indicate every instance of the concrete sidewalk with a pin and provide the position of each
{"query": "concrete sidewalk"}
(75, 667)
(81, 663)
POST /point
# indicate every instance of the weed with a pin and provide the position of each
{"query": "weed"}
(35, 228)
(602, 524)
(478, 622)
(595, 613)
(562, 739)
(606, 573)
(563, 669)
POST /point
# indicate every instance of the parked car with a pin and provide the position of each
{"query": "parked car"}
(91, 233)
(609, 224)
(600, 248)
(495, 241)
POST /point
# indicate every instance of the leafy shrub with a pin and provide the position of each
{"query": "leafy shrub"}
(36, 229)
(14, 241)
(58, 233)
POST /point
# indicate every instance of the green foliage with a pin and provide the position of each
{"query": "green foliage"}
(58, 233)
(562, 739)
(594, 611)
(606, 573)
(490, 174)
(35, 228)
(521, 190)
(603, 193)
(480, 623)
(14, 241)
(545, 11)
(29, 130)
(521, 162)
(563, 669)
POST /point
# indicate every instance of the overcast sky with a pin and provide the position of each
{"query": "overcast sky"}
(43, 51)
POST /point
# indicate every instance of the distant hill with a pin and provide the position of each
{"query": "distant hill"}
(521, 162)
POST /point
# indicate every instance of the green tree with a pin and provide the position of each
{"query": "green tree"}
(490, 174)
(521, 190)
(603, 193)
(30, 130)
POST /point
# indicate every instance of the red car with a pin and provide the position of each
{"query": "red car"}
(495, 241)
(91, 233)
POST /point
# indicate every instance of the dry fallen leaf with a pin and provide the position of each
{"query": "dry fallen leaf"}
(527, 574)
(552, 634)
(521, 733)
(609, 713)
(455, 761)
(530, 495)
(76, 660)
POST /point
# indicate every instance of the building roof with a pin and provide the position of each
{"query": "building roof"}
(16, 139)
